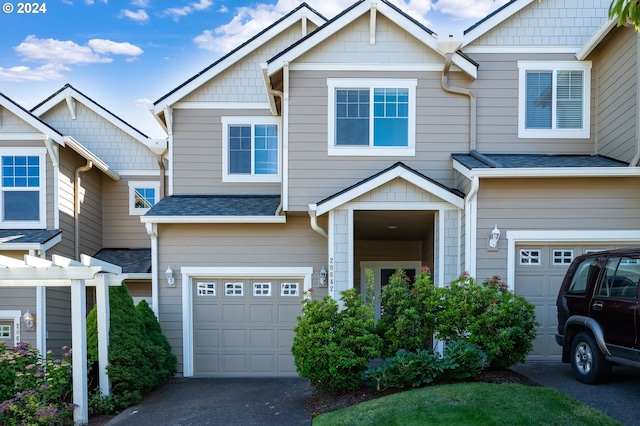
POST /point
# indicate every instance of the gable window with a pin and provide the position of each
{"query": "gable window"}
(554, 99)
(251, 149)
(371, 116)
(23, 188)
(142, 196)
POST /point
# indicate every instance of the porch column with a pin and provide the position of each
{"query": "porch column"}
(79, 347)
(102, 302)
(339, 253)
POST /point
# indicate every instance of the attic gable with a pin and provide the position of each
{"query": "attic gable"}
(372, 14)
(16, 123)
(563, 26)
(300, 15)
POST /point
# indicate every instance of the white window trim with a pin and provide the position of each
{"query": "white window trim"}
(523, 67)
(368, 83)
(42, 223)
(132, 197)
(251, 120)
(14, 316)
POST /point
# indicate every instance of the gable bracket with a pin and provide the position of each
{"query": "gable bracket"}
(372, 24)
(71, 104)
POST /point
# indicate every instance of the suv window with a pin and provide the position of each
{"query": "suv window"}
(620, 279)
(582, 277)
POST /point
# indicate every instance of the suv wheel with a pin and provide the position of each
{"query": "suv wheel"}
(589, 364)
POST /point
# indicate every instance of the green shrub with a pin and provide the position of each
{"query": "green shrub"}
(405, 369)
(407, 321)
(136, 364)
(36, 390)
(488, 315)
(332, 346)
(159, 349)
(462, 360)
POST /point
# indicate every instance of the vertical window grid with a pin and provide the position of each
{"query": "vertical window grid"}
(262, 289)
(206, 289)
(5, 331)
(234, 289)
(145, 198)
(289, 289)
(21, 187)
(529, 257)
(562, 257)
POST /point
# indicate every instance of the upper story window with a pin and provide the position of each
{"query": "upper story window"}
(142, 196)
(554, 99)
(250, 149)
(23, 188)
(371, 116)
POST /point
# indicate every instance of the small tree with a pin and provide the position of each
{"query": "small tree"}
(331, 346)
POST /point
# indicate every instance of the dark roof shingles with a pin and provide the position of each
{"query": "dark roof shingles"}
(520, 161)
(216, 205)
(132, 261)
(27, 236)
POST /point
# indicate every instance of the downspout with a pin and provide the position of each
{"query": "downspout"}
(461, 91)
(314, 223)
(76, 207)
(162, 172)
(152, 231)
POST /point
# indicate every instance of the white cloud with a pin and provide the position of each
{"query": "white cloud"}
(107, 46)
(26, 74)
(179, 12)
(143, 103)
(138, 16)
(140, 3)
(468, 9)
(56, 51)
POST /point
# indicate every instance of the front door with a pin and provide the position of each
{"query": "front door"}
(375, 275)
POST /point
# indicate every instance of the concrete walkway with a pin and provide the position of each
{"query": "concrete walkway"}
(618, 398)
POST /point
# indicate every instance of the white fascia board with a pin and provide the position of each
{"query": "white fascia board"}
(235, 57)
(246, 271)
(494, 21)
(572, 235)
(512, 50)
(88, 155)
(596, 38)
(139, 276)
(213, 219)
(542, 172)
(221, 105)
(33, 121)
(383, 179)
(108, 116)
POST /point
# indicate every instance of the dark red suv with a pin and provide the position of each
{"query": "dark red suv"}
(599, 313)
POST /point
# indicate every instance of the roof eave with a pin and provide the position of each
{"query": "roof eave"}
(548, 172)
(596, 39)
(213, 219)
(493, 21)
(43, 247)
(90, 156)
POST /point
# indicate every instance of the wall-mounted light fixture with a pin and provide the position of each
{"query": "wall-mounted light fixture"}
(28, 319)
(170, 278)
(323, 277)
(494, 237)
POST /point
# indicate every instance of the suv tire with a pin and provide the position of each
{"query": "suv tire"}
(588, 362)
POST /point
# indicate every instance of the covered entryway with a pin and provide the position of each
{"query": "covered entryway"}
(537, 268)
(241, 324)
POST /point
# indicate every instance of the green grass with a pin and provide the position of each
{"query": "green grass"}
(469, 404)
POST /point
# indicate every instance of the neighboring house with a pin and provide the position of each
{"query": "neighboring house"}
(73, 175)
(365, 143)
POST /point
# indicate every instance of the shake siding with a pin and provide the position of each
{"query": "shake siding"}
(549, 23)
(442, 128)
(243, 82)
(496, 90)
(120, 229)
(293, 244)
(11, 123)
(197, 154)
(111, 144)
(616, 90)
(550, 204)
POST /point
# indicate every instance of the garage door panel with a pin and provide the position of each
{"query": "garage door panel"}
(248, 326)
(532, 286)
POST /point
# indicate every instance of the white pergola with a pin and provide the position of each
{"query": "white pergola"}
(63, 272)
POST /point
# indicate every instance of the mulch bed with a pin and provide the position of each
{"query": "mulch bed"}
(324, 402)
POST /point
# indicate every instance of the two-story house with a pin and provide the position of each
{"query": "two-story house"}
(326, 154)
(75, 180)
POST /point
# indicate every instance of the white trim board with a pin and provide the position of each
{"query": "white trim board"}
(190, 272)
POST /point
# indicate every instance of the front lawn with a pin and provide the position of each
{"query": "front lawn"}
(469, 404)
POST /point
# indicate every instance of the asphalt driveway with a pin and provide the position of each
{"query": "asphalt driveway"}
(271, 402)
(195, 402)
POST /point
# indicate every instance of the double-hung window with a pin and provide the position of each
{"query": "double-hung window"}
(250, 149)
(554, 99)
(23, 185)
(371, 116)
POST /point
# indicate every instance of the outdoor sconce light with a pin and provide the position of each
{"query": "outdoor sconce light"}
(28, 319)
(323, 277)
(170, 279)
(494, 236)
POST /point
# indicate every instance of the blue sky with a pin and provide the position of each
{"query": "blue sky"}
(127, 54)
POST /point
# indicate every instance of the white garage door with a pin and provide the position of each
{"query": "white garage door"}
(244, 327)
(539, 273)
